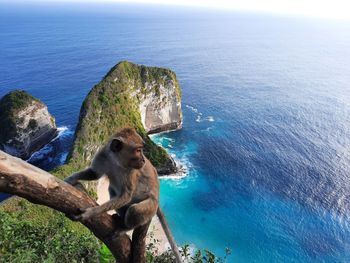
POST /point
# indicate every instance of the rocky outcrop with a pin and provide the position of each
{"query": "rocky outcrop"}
(25, 124)
(160, 101)
(146, 98)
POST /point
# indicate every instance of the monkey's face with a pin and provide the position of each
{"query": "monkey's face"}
(136, 158)
(129, 151)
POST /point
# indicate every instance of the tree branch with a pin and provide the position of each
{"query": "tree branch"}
(25, 180)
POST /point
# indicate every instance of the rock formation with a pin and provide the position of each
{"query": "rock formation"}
(25, 124)
(159, 100)
(146, 98)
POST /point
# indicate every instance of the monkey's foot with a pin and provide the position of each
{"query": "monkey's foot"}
(121, 229)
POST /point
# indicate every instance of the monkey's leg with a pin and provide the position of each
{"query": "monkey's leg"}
(138, 243)
(139, 216)
(120, 227)
(140, 213)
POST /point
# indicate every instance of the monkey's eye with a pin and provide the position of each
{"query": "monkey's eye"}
(138, 150)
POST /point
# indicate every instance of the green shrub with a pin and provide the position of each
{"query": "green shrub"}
(23, 240)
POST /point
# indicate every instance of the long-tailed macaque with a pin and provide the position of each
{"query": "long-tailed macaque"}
(134, 185)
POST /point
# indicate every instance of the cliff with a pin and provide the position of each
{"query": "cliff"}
(146, 98)
(26, 124)
(159, 99)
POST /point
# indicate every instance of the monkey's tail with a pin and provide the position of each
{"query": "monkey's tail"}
(169, 235)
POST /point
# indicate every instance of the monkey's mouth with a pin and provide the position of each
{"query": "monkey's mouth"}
(137, 163)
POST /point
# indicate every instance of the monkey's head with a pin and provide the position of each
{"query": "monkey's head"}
(128, 146)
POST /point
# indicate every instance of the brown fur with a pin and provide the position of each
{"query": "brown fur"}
(130, 135)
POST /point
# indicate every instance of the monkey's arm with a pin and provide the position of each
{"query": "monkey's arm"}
(114, 203)
(87, 174)
(95, 171)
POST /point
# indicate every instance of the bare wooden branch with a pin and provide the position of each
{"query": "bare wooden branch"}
(25, 180)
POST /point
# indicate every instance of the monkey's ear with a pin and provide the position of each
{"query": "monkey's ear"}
(116, 145)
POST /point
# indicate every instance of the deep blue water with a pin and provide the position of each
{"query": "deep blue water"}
(266, 104)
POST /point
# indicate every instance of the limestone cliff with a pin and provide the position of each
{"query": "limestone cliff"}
(25, 124)
(159, 100)
(146, 98)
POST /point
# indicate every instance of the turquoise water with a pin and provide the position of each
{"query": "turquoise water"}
(266, 103)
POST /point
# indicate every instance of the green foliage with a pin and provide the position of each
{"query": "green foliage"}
(105, 255)
(16, 100)
(93, 194)
(23, 240)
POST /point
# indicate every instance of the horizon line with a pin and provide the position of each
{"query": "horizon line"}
(225, 5)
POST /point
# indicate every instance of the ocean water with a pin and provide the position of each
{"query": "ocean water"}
(266, 103)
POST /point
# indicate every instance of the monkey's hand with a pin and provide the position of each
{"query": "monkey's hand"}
(86, 214)
(70, 180)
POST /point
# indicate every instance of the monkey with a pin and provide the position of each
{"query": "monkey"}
(133, 188)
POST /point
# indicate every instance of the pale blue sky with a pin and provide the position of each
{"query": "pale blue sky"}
(319, 8)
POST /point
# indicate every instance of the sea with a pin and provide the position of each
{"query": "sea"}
(266, 103)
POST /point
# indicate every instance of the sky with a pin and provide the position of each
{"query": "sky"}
(339, 9)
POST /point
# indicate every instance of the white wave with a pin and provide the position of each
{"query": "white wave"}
(63, 158)
(192, 108)
(161, 139)
(199, 117)
(169, 139)
(182, 164)
(62, 131)
(183, 170)
(41, 153)
(210, 118)
(63, 128)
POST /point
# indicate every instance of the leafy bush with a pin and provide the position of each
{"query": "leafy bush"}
(23, 240)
